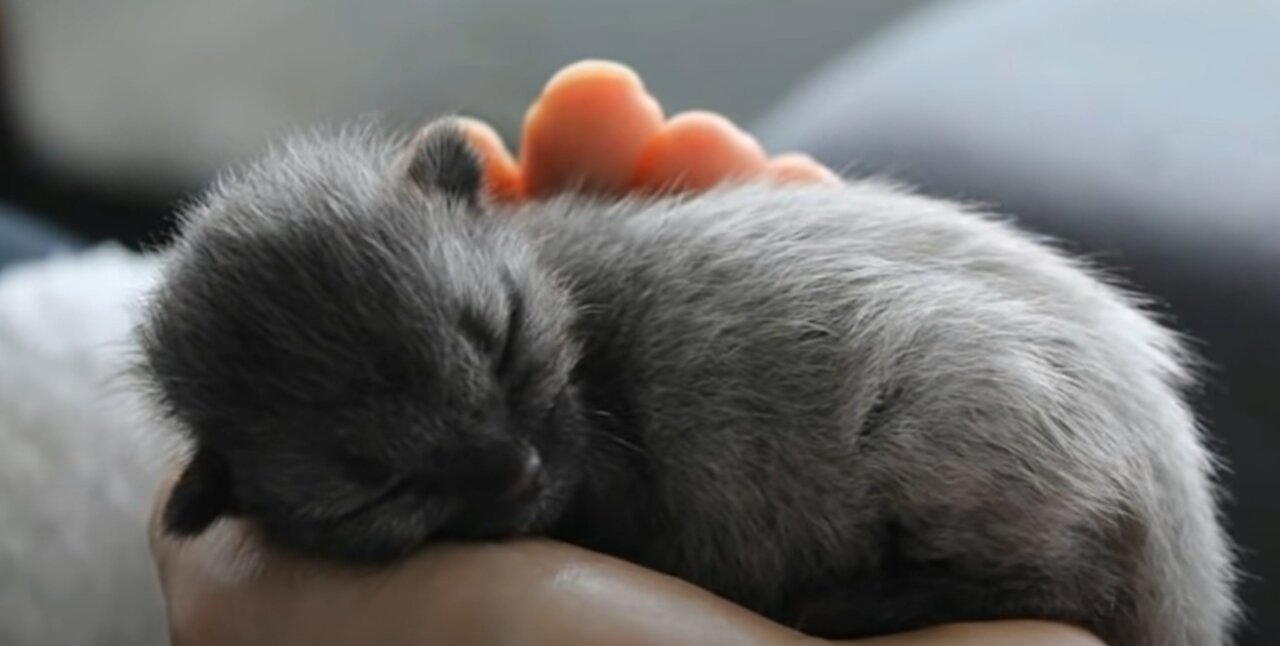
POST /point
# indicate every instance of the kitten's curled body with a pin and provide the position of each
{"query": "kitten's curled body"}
(853, 409)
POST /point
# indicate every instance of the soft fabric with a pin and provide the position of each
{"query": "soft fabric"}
(1145, 134)
(78, 457)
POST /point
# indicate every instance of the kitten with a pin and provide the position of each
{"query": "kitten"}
(853, 409)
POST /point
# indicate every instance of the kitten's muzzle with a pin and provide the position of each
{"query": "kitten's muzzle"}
(508, 474)
(526, 480)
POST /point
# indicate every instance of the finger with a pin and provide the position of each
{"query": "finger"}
(695, 151)
(797, 168)
(587, 130)
(501, 174)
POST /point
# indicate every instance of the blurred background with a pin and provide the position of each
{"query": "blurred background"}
(1144, 135)
(116, 109)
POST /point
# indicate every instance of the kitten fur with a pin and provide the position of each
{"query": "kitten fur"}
(853, 409)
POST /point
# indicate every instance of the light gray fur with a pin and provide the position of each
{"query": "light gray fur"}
(827, 386)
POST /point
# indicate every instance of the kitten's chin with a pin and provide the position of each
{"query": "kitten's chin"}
(406, 524)
(497, 519)
(353, 543)
(544, 512)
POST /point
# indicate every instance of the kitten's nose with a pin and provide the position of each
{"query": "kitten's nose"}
(507, 472)
(526, 478)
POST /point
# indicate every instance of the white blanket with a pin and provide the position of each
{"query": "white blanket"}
(78, 456)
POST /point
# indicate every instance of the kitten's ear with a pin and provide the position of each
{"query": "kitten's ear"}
(440, 161)
(201, 496)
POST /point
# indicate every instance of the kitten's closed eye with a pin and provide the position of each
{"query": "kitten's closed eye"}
(501, 345)
(515, 318)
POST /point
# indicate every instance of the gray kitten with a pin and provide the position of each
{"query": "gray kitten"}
(852, 409)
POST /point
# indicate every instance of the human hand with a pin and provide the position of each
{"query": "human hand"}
(228, 587)
(595, 129)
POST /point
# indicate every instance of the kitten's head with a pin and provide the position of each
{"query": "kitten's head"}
(363, 360)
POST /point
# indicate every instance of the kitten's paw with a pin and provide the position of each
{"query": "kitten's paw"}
(596, 129)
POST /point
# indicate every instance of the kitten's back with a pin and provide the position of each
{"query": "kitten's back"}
(855, 375)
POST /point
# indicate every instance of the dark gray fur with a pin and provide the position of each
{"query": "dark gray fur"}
(854, 409)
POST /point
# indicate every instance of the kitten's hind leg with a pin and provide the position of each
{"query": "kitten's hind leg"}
(928, 595)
